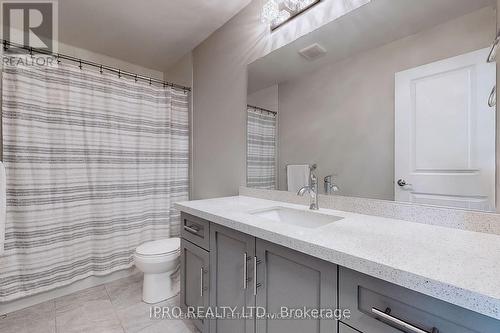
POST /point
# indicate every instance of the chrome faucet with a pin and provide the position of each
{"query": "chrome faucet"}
(330, 187)
(312, 189)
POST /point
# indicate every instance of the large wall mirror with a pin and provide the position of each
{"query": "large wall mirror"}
(392, 101)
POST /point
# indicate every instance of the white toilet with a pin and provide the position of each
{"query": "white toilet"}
(158, 260)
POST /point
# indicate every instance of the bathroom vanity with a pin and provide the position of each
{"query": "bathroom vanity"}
(392, 275)
(390, 105)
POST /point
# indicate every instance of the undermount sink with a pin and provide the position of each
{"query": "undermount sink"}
(296, 217)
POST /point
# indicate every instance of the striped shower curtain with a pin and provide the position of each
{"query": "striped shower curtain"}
(261, 148)
(94, 165)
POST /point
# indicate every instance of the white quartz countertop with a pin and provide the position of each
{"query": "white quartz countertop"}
(456, 266)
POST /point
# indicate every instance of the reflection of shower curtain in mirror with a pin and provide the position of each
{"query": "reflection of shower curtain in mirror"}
(261, 148)
(94, 166)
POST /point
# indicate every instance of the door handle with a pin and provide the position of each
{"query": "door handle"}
(492, 100)
(493, 51)
(398, 322)
(403, 183)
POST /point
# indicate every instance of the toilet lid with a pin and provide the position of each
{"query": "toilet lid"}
(161, 246)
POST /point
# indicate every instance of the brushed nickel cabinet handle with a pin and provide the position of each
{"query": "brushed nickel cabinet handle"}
(192, 229)
(201, 282)
(399, 323)
(255, 284)
(245, 277)
(255, 276)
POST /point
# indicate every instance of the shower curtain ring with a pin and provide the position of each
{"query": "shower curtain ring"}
(5, 47)
(58, 58)
(150, 81)
(119, 73)
(135, 77)
(100, 69)
(31, 52)
(80, 64)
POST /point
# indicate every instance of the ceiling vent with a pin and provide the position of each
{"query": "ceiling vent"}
(313, 52)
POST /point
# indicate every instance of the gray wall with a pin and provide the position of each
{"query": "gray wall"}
(181, 72)
(266, 98)
(78, 52)
(342, 116)
(219, 102)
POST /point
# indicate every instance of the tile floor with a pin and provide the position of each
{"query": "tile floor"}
(115, 307)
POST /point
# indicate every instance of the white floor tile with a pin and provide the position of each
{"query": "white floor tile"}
(116, 307)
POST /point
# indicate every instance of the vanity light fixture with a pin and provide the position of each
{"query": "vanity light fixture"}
(278, 12)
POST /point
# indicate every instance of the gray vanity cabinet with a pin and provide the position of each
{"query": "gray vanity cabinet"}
(378, 306)
(221, 268)
(283, 278)
(231, 258)
(195, 279)
(346, 329)
(290, 279)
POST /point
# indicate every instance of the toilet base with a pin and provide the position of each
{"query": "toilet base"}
(158, 287)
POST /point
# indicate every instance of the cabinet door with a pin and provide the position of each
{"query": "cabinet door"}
(231, 270)
(346, 329)
(195, 280)
(294, 280)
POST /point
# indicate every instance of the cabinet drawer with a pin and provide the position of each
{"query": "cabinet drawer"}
(381, 307)
(346, 329)
(195, 230)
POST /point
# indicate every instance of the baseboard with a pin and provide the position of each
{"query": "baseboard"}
(89, 282)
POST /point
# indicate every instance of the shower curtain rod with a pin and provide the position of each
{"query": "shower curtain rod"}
(261, 109)
(31, 50)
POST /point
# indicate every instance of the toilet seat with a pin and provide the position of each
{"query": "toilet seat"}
(157, 257)
(159, 248)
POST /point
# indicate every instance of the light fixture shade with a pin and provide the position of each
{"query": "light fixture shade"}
(302, 4)
(270, 11)
(278, 12)
(282, 17)
(292, 5)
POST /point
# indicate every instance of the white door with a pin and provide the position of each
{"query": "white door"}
(445, 133)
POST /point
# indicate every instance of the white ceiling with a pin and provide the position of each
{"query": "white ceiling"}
(153, 33)
(374, 24)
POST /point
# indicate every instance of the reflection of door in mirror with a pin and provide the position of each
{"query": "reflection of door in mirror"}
(445, 138)
(261, 148)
